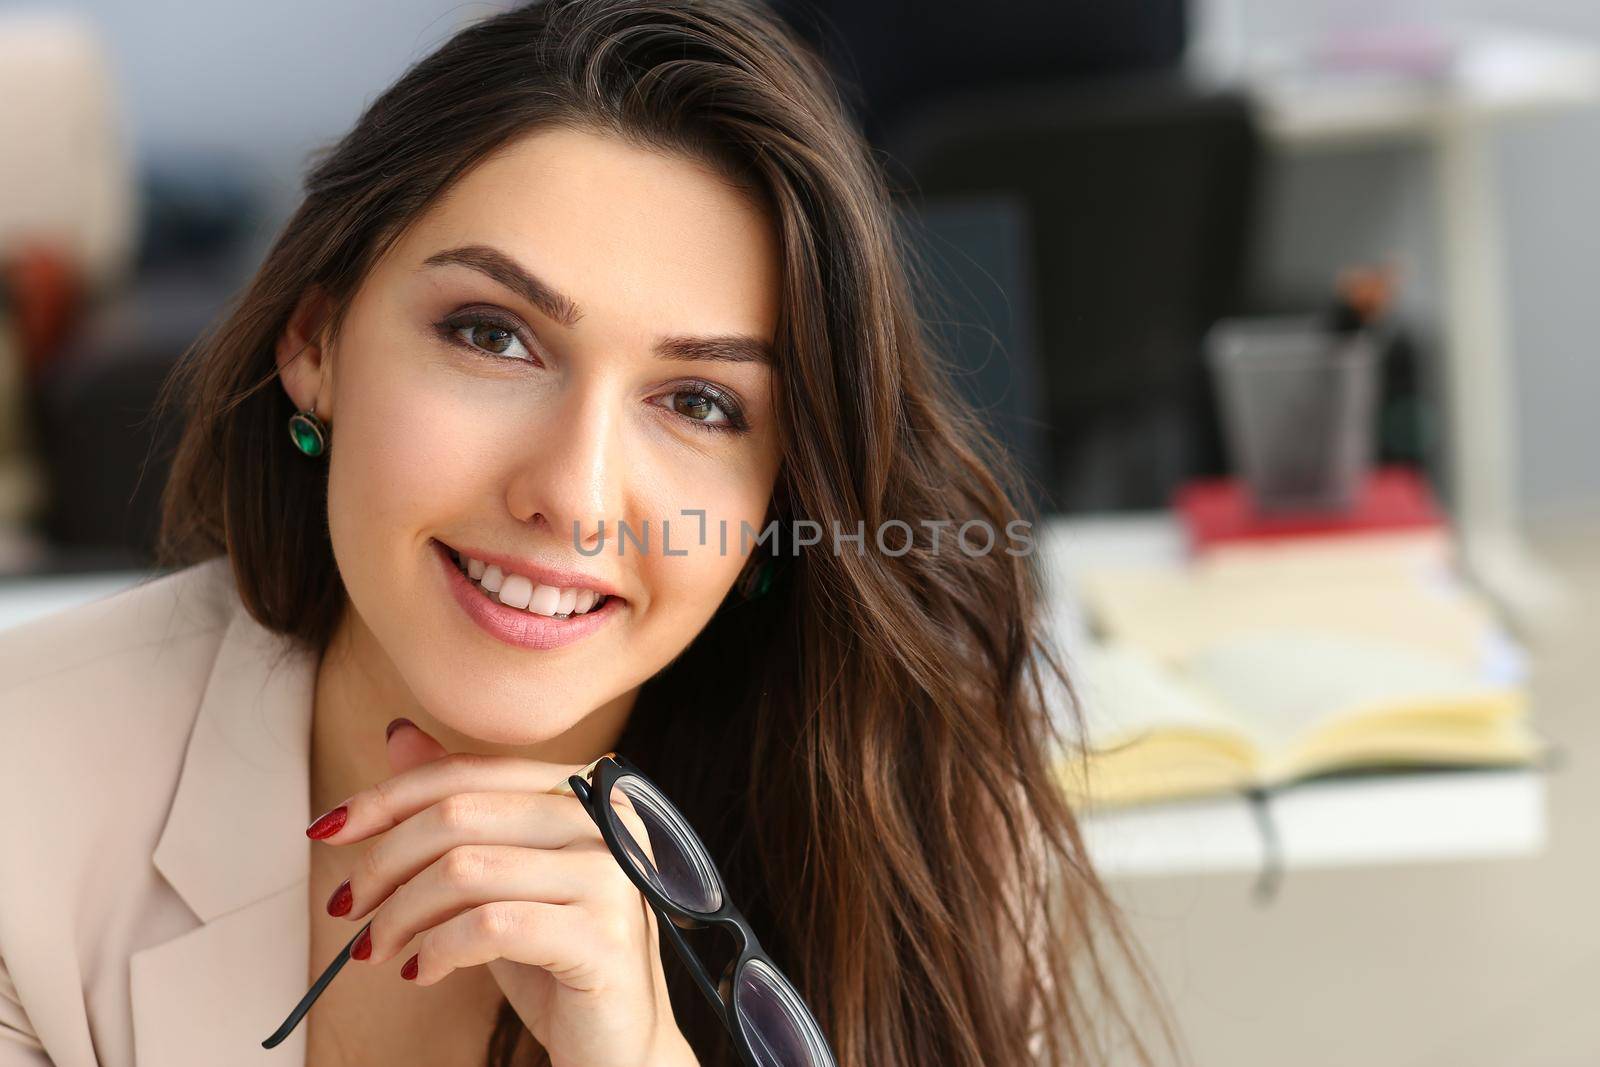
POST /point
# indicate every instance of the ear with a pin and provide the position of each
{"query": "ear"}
(302, 354)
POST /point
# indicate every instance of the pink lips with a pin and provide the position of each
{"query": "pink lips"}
(513, 626)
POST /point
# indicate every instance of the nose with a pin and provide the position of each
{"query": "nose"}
(569, 480)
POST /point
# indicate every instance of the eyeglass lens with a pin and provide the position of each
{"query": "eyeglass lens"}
(781, 1030)
(682, 871)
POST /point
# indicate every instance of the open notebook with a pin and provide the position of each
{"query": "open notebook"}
(1258, 672)
(1266, 709)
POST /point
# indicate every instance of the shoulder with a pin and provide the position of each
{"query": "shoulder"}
(134, 625)
(91, 689)
(96, 706)
(155, 609)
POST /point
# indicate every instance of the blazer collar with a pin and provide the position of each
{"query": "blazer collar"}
(234, 849)
(235, 833)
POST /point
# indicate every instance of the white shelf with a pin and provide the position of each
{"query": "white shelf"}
(1492, 75)
(1496, 74)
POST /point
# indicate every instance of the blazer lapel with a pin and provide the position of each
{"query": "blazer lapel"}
(234, 849)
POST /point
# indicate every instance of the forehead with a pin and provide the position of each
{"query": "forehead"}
(629, 233)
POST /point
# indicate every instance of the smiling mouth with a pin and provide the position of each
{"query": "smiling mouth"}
(523, 593)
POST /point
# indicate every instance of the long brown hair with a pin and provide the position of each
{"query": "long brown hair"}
(878, 778)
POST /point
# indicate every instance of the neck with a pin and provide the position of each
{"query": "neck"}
(359, 691)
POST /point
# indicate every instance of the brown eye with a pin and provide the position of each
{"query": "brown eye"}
(705, 405)
(701, 408)
(486, 335)
(491, 338)
(696, 406)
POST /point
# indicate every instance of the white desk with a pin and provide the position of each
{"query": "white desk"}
(1419, 817)
(1497, 75)
(1401, 818)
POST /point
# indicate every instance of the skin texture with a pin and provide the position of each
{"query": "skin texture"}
(511, 447)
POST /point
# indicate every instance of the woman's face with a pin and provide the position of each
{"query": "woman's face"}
(575, 337)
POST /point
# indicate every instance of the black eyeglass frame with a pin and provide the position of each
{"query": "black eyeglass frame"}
(603, 776)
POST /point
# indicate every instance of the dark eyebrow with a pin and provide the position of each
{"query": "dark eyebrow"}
(728, 348)
(731, 348)
(505, 270)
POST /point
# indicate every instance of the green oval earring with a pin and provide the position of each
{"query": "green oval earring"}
(755, 583)
(309, 433)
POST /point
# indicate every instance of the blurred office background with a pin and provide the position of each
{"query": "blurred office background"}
(1095, 184)
(216, 107)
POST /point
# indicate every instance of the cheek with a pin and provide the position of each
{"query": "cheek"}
(403, 450)
(687, 588)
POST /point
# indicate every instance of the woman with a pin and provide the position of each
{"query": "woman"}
(590, 296)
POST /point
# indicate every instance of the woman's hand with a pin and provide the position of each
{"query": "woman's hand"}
(480, 862)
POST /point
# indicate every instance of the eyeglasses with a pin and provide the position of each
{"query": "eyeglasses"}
(770, 1025)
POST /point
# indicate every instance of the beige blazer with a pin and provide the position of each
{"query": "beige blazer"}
(154, 774)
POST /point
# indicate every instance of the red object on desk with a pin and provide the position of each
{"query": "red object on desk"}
(45, 293)
(1217, 511)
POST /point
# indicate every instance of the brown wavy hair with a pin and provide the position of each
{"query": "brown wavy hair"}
(879, 780)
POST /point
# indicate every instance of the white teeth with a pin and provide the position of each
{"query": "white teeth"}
(515, 591)
(492, 577)
(544, 600)
(519, 591)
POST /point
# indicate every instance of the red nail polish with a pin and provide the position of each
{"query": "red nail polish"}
(328, 824)
(362, 947)
(409, 971)
(339, 903)
(395, 724)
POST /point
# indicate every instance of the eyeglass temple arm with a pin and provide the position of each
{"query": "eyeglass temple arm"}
(313, 993)
(692, 962)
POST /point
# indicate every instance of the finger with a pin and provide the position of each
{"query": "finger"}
(529, 820)
(470, 875)
(572, 943)
(632, 824)
(410, 745)
(390, 802)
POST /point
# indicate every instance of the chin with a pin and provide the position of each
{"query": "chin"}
(521, 722)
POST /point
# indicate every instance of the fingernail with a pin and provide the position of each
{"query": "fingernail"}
(339, 903)
(363, 945)
(395, 724)
(328, 824)
(409, 971)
